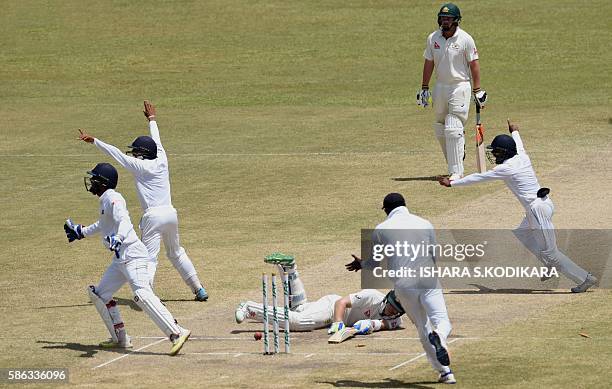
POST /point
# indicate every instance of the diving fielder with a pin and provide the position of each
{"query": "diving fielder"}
(149, 166)
(452, 52)
(536, 231)
(129, 264)
(367, 310)
(424, 304)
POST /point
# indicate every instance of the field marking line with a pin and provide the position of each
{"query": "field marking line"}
(417, 357)
(308, 356)
(130, 353)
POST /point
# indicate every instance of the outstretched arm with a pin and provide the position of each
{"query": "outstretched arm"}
(132, 164)
(514, 132)
(151, 114)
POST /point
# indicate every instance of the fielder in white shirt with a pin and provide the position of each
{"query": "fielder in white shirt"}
(536, 231)
(453, 54)
(129, 263)
(149, 166)
(367, 310)
(424, 306)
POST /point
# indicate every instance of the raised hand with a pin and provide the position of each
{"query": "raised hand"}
(85, 137)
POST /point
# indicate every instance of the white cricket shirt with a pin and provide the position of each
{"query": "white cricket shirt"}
(451, 56)
(152, 176)
(367, 304)
(114, 220)
(517, 172)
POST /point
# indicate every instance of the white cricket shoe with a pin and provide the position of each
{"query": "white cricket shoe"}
(124, 343)
(447, 378)
(241, 312)
(455, 176)
(588, 282)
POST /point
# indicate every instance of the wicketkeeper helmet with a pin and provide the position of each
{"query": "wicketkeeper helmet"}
(143, 147)
(103, 176)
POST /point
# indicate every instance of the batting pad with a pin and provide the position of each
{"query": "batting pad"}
(104, 313)
(441, 137)
(160, 315)
(455, 144)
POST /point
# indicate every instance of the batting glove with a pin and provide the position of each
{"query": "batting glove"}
(114, 243)
(480, 97)
(363, 327)
(335, 327)
(73, 231)
(424, 97)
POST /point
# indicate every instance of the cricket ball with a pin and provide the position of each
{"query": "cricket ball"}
(257, 336)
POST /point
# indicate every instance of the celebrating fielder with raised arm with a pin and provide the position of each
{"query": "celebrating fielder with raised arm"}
(536, 231)
(149, 166)
(129, 263)
(366, 311)
(452, 53)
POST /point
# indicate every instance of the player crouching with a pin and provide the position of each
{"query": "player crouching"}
(129, 263)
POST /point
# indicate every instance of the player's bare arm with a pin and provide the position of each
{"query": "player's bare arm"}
(512, 127)
(85, 137)
(355, 265)
(428, 67)
(475, 70)
(149, 110)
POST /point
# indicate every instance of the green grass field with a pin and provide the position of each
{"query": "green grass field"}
(285, 123)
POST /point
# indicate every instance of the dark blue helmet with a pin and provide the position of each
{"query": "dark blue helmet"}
(449, 9)
(502, 148)
(143, 147)
(102, 177)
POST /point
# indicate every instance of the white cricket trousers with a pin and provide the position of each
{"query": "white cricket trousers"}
(161, 223)
(307, 317)
(427, 311)
(537, 233)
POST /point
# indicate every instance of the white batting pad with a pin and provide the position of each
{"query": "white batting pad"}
(153, 307)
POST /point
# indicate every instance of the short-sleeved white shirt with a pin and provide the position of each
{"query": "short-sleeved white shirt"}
(451, 56)
(366, 304)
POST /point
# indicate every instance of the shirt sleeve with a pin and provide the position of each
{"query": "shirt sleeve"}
(499, 172)
(154, 131)
(392, 324)
(428, 54)
(121, 218)
(520, 148)
(471, 53)
(132, 164)
(91, 229)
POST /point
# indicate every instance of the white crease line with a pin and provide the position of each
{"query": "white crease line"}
(306, 355)
(196, 338)
(417, 357)
(130, 353)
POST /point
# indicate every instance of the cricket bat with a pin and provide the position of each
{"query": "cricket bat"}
(342, 335)
(481, 162)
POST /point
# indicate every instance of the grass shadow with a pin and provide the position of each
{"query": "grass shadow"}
(421, 178)
(486, 290)
(385, 383)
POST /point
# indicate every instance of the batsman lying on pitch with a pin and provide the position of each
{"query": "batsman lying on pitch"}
(367, 310)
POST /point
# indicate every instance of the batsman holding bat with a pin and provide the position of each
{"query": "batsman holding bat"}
(452, 53)
(536, 231)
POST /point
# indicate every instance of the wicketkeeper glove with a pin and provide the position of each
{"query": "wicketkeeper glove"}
(424, 96)
(114, 243)
(73, 231)
(480, 97)
(335, 327)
